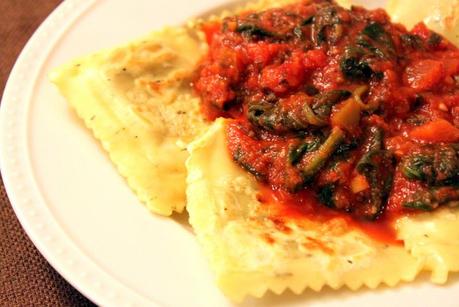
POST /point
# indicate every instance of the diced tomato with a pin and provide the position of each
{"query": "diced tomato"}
(421, 30)
(280, 78)
(436, 131)
(424, 74)
(451, 65)
(399, 145)
(262, 53)
(315, 59)
(210, 29)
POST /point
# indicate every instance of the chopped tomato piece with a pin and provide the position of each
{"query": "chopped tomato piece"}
(282, 77)
(210, 29)
(439, 130)
(421, 30)
(424, 74)
(315, 59)
(262, 52)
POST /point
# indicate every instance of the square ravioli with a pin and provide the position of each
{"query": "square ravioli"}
(252, 247)
(138, 102)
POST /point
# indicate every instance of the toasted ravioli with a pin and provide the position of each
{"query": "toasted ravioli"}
(138, 101)
(252, 249)
(439, 15)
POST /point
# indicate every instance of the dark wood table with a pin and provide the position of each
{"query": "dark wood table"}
(26, 279)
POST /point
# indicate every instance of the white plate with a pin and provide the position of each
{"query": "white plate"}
(79, 212)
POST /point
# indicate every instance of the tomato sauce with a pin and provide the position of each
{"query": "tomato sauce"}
(341, 113)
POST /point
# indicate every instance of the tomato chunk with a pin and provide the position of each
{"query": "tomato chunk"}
(424, 74)
(436, 131)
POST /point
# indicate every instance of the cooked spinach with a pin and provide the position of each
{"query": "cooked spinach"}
(318, 112)
(421, 201)
(446, 165)
(296, 153)
(322, 154)
(429, 199)
(418, 166)
(378, 167)
(372, 42)
(253, 30)
(356, 69)
(432, 164)
(434, 40)
(326, 27)
(323, 102)
(326, 195)
(363, 43)
(273, 117)
(411, 41)
(344, 149)
(308, 21)
(374, 31)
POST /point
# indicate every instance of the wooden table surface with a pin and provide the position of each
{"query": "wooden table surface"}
(26, 279)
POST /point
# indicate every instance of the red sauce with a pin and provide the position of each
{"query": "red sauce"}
(343, 114)
(304, 205)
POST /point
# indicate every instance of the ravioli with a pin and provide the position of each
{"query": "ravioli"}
(252, 249)
(441, 16)
(138, 102)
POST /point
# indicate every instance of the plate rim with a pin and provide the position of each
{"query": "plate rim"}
(53, 243)
(38, 222)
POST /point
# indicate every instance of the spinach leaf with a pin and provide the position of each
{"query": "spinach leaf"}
(253, 30)
(308, 21)
(323, 102)
(322, 154)
(432, 164)
(363, 43)
(327, 27)
(378, 167)
(374, 31)
(421, 201)
(411, 41)
(355, 69)
(326, 195)
(430, 199)
(434, 40)
(418, 167)
(275, 117)
(297, 153)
